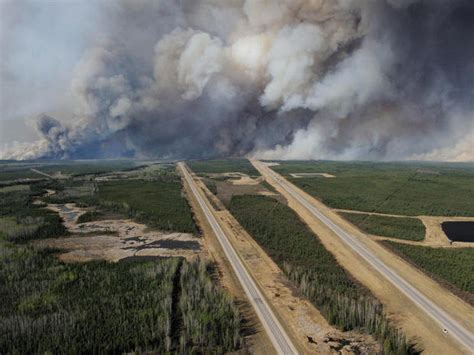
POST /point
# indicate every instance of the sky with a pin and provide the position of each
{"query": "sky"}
(274, 79)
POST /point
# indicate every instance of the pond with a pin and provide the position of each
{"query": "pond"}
(462, 231)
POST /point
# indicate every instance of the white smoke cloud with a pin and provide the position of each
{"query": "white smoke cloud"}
(293, 79)
(201, 58)
(355, 81)
(290, 62)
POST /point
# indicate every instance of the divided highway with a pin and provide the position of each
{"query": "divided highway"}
(276, 332)
(451, 326)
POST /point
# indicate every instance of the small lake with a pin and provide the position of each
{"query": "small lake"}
(462, 231)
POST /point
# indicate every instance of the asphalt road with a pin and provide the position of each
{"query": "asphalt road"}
(276, 333)
(447, 323)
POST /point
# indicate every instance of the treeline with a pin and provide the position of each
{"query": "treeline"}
(160, 306)
(159, 203)
(305, 261)
(394, 227)
(453, 267)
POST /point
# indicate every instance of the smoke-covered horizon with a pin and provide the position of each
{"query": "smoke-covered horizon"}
(274, 79)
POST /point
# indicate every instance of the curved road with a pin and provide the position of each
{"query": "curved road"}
(461, 334)
(276, 332)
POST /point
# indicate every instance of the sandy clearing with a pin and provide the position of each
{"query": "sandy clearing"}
(303, 175)
(113, 248)
(415, 323)
(129, 239)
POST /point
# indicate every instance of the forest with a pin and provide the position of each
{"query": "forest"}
(410, 189)
(299, 253)
(21, 220)
(22, 170)
(160, 305)
(453, 267)
(385, 226)
(159, 203)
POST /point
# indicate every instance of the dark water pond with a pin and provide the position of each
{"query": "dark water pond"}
(177, 244)
(459, 231)
(168, 244)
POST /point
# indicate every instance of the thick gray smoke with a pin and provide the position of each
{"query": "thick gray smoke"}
(286, 79)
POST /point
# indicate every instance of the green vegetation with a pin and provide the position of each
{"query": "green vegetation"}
(139, 305)
(394, 188)
(454, 266)
(89, 216)
(135, 306)
(223, 166)
(211, 185)
(385, 226)
(306, 262)
(22, 170)
(157, 203)
(14, 188)
(269, 187)
(21, 220)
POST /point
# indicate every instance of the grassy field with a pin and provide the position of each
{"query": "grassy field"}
(393, 227)
(394, 188)
(159, 306)
(223, 166)
(300, 254)
(451, 266)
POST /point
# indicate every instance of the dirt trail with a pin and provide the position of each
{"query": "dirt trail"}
(415, 323)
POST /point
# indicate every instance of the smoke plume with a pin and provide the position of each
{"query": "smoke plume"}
(276, 79)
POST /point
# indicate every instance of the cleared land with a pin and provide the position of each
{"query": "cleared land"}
(314, 270)
(394, 188)
(393, 227)
(452, 267)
